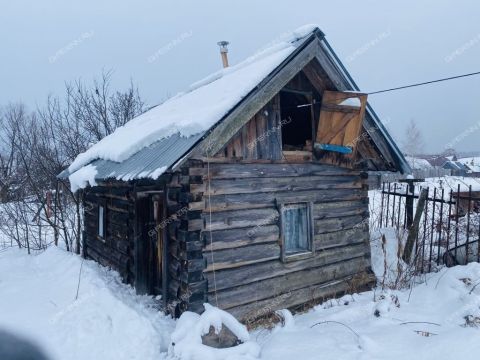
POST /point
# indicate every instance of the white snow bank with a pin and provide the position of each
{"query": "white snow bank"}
(83, 177)
(195, 111)
(417, 163)
(186, 340)
(426, 323)
(386, 255)
(107, 321)
(353, 101)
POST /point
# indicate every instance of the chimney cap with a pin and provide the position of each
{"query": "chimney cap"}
(223, 45)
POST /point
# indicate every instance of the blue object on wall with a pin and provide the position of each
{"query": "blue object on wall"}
(335, 148)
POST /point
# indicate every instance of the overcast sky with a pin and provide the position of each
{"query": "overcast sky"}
(165, 46)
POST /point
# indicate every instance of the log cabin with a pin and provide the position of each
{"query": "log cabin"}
(248, 191)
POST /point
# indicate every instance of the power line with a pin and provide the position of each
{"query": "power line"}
(397, 88)
(424, 83)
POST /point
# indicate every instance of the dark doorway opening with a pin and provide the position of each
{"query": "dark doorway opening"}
(297, 124)
(150, 245)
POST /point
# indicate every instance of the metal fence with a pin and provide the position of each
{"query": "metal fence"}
(448, 228)
(376, 179)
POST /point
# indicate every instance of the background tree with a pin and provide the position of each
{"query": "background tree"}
(39, 145)
(414, 143)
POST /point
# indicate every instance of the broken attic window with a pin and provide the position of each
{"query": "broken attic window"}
(296, 121)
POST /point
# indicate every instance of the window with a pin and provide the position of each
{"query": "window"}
(296, 230)
(296, 121)
(101, 221)
(339, 128)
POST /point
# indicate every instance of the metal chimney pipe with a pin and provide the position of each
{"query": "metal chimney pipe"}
(224, 51)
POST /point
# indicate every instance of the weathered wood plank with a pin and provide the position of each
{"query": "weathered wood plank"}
(231, 258)
(195, 224)
(232, 238)
(261, 200)
(269, 184)
(240, 219)
(315, 293)
(269, 288)
(341, 238)
(273, 170)
(323, 226)
(339, 208)
(225, 279)
(115, 259)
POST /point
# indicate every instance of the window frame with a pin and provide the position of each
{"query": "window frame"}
(102, 220)
(309, 98)
(310, 252)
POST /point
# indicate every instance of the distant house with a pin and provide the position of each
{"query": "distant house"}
(436, 160)
(458, 168)
(473, 164)
(417, 163)
(248, 191)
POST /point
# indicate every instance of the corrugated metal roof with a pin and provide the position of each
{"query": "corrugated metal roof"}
(146, 163)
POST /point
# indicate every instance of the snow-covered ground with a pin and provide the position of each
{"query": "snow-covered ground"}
(108, 321)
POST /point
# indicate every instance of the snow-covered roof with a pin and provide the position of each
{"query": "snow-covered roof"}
(153, 142)
(196, 110)
(418, 163)
(473, 163)
(451, 183)
(456, 165)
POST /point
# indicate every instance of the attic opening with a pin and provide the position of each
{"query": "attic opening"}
(297, 120)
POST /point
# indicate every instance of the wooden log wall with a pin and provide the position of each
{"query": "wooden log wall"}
(260, 138)
(241, 233)
(116, 250)
(187, 289)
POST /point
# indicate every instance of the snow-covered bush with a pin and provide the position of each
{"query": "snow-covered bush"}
(186, 340)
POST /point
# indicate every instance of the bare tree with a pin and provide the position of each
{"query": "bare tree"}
(413, 142)
(9, 170)
(41, 144)
(100, 111)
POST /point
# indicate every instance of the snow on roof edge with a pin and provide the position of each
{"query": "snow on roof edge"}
(177, 119)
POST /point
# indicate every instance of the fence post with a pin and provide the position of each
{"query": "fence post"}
(457, 205)
(450, 219)
(468, 222)
(424, 238)
(432, 234)
(381, 208)
(440, 227)
(388, 205)
(393, 202)
(413, 230)
(409, 199)
(409, 204)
